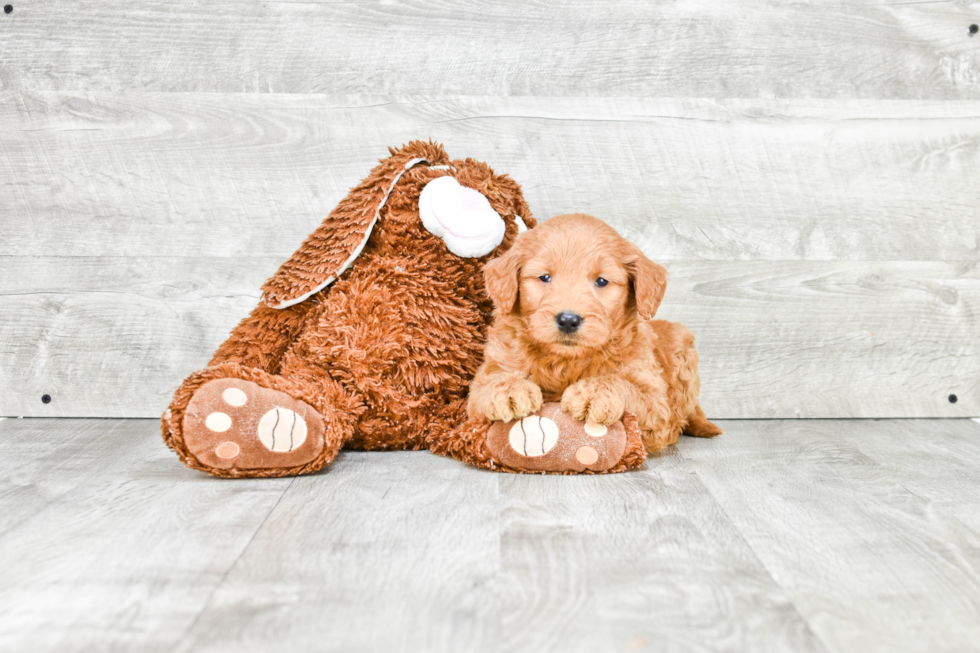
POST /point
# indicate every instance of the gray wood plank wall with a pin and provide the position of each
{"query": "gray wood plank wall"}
(808, 172)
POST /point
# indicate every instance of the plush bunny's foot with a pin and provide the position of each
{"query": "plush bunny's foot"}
(551, 441)
(237, 425)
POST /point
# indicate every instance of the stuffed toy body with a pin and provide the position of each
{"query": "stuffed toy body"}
(368, 336)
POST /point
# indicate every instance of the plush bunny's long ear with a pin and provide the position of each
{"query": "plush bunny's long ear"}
(331, 249)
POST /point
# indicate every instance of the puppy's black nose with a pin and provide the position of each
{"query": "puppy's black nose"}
(568, 322)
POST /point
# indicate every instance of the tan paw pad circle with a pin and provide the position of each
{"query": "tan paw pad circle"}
(234, 397)
(282, 430)
(596, 430)
(227, 450)
(586, 455)
(218, 422)
(534, 436)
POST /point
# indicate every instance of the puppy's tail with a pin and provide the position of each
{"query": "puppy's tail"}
(699, 426)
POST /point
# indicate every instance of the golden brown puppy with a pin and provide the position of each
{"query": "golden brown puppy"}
(575, 303)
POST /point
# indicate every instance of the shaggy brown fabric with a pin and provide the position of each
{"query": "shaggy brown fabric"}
(385, 353)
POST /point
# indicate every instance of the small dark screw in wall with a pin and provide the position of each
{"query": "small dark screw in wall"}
(46, 399)
(973, 29)
(952, 399)
(8, 8)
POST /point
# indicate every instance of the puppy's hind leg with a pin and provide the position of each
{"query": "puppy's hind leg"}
(699, 426)
(688, 385)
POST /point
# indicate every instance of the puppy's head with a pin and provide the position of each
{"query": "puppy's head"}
(575, 284)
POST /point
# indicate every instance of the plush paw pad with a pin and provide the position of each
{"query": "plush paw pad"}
(231, 423)
(533, 436)
(551, 441)
(282, 430)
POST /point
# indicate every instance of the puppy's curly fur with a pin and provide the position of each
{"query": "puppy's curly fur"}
(574, 307)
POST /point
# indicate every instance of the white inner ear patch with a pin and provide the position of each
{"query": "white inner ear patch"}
(534, 436)
(461, 217)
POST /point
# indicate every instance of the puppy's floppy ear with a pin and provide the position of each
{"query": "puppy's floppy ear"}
(649, 282)
(502, 274)
(330, 250)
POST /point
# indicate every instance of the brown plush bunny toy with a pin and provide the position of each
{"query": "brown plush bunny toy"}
(368, 336)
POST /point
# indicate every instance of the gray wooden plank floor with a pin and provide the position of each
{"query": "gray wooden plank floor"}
(815, 535)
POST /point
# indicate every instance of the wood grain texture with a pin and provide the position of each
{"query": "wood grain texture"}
(937, 462)
(389, 553)
(839, 536)
(115, 336)
(706, 48)
(635, 561)
(832, 339)
(106, 541)
(107, 335)
(869, 526)
(417, 553)
(150, 174)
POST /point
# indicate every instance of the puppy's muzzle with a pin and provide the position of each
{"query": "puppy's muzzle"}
(568, 322)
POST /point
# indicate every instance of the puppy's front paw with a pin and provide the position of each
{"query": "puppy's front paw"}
(594, 401)
(513, 398)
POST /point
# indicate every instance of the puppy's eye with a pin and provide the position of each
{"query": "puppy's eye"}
(545, 277)
(601, 283)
